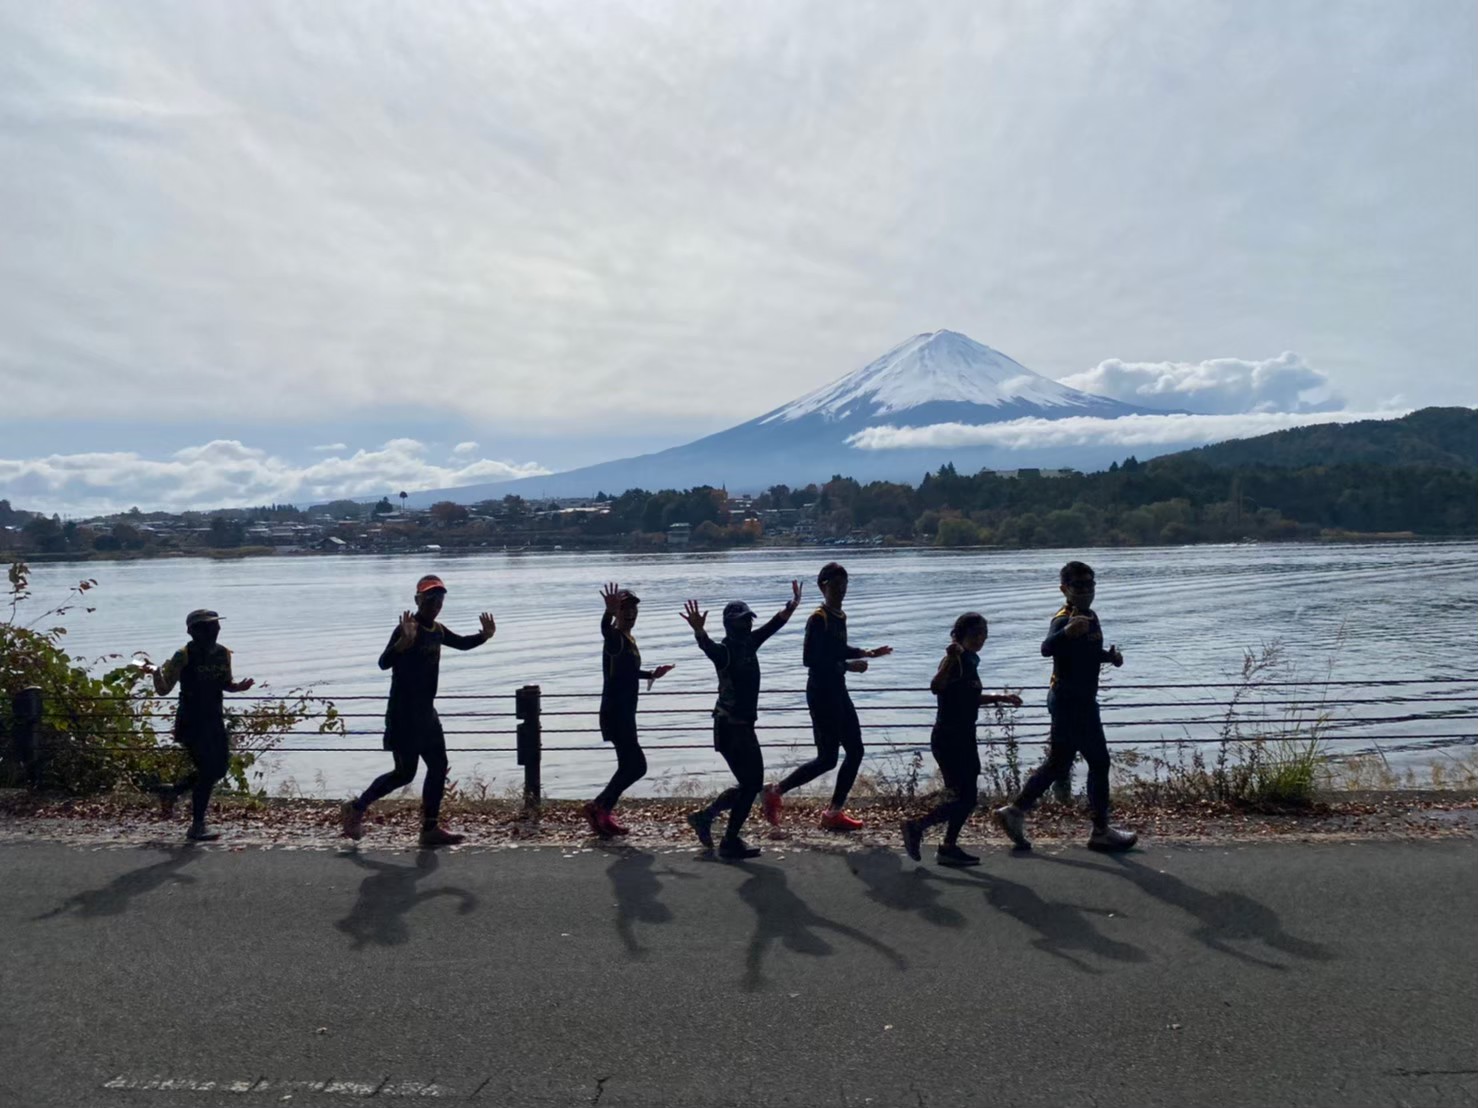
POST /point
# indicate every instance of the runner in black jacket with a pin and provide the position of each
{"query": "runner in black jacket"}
(957, 685)
(1074, 642)
(202, 669)
(413, 730)
(621, 681)
(737, 661)
(834, 723)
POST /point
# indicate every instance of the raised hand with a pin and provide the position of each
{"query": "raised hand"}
(408, 627)
(611, 594)
(489, 625)
(795, 594)
(694, 617)
(1077, 627)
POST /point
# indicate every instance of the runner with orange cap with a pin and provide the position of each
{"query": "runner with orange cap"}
(412, 728)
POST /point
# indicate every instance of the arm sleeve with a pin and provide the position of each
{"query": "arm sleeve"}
(717, 653)
(1054, 636)
(387, 656)
(227, 681)
(855, 652)
(169, 675)
(460, 642)
(777, 621)
(614, 640)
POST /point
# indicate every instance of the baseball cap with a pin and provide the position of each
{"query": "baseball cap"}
(201, 615)
(736, 610)
(429, 582)
(628, 597)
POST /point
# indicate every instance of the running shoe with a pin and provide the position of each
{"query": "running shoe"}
(612, 827)
(702, 824)
(836, 819)
(736, 850)
(1012, 820)
(595, 815)
(353, 820)
(198, 833)
(439, 836)
(1111, 839)
(913, 838)
(772, 803)
(950, 854)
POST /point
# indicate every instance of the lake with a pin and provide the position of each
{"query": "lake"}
(1183, 616)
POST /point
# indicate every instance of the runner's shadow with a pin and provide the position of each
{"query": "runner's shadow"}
(388, 894)
(1062, 929)
(782, 916)
(637, 887)
(1224, 917)
(114, 897)
(890, 885)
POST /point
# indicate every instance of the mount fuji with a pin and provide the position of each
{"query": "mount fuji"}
(938, 377)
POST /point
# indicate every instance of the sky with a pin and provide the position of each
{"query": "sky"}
(276, 251)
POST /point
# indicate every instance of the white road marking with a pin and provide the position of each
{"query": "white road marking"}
(281, 1088)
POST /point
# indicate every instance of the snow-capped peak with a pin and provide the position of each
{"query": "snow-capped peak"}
(940, 366)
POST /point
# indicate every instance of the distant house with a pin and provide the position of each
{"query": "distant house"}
(680, 534)
(333, 544)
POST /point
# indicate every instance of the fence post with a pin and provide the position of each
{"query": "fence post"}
(530, 743)
(25, 715)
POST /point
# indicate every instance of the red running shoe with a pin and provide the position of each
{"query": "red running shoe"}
(612, 827)
(835, 819)
(596, 816)
(772, 802)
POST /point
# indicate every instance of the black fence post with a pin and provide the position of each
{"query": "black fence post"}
(530, 742)
(25, 715)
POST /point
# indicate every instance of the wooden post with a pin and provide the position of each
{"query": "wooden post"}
(25, 715)
(530, 742)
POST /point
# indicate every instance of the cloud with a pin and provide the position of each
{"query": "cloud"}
(1219, 386)
(331, 448)
(1133, 430)
(464, 449)
(226, 473)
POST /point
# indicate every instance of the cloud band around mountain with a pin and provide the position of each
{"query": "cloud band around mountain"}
(1217, 386)
(1128, 431)
(227, 473)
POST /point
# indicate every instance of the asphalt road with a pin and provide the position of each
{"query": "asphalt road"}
(1249, 975)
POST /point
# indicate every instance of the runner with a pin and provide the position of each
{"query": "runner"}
(737, 661)
(412, 728)
(834, 723)
(202, 669)
(1075, 644)
(957, 685)
(622, 674)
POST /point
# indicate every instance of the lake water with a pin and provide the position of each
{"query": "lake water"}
(1183, 616)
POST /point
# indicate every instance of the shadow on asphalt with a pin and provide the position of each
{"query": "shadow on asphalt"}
(781, 916)
(114, 897)
(1224, 917)
(388, 894)
(636, 884)
(1063, 930)
(890, 885)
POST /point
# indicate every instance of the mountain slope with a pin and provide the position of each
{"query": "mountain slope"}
(1445, 437)
(938, 377)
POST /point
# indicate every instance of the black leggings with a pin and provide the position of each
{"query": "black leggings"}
(631, 763)
(431, 749)
(210, 756)
(1077, 728)
(834, 726)
(741, 749)
(959, 765)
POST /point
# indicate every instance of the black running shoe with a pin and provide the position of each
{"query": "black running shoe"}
(736, 850)
(198, 833)
(951, 855)
(913, 838)
(702, 824)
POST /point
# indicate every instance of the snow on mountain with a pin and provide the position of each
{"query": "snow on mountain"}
(939, 377)
(942, 366)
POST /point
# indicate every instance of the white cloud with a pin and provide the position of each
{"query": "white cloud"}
(464, 449)
(331, 448)
(226, 473)
(1133, 430)
(1218, 386)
